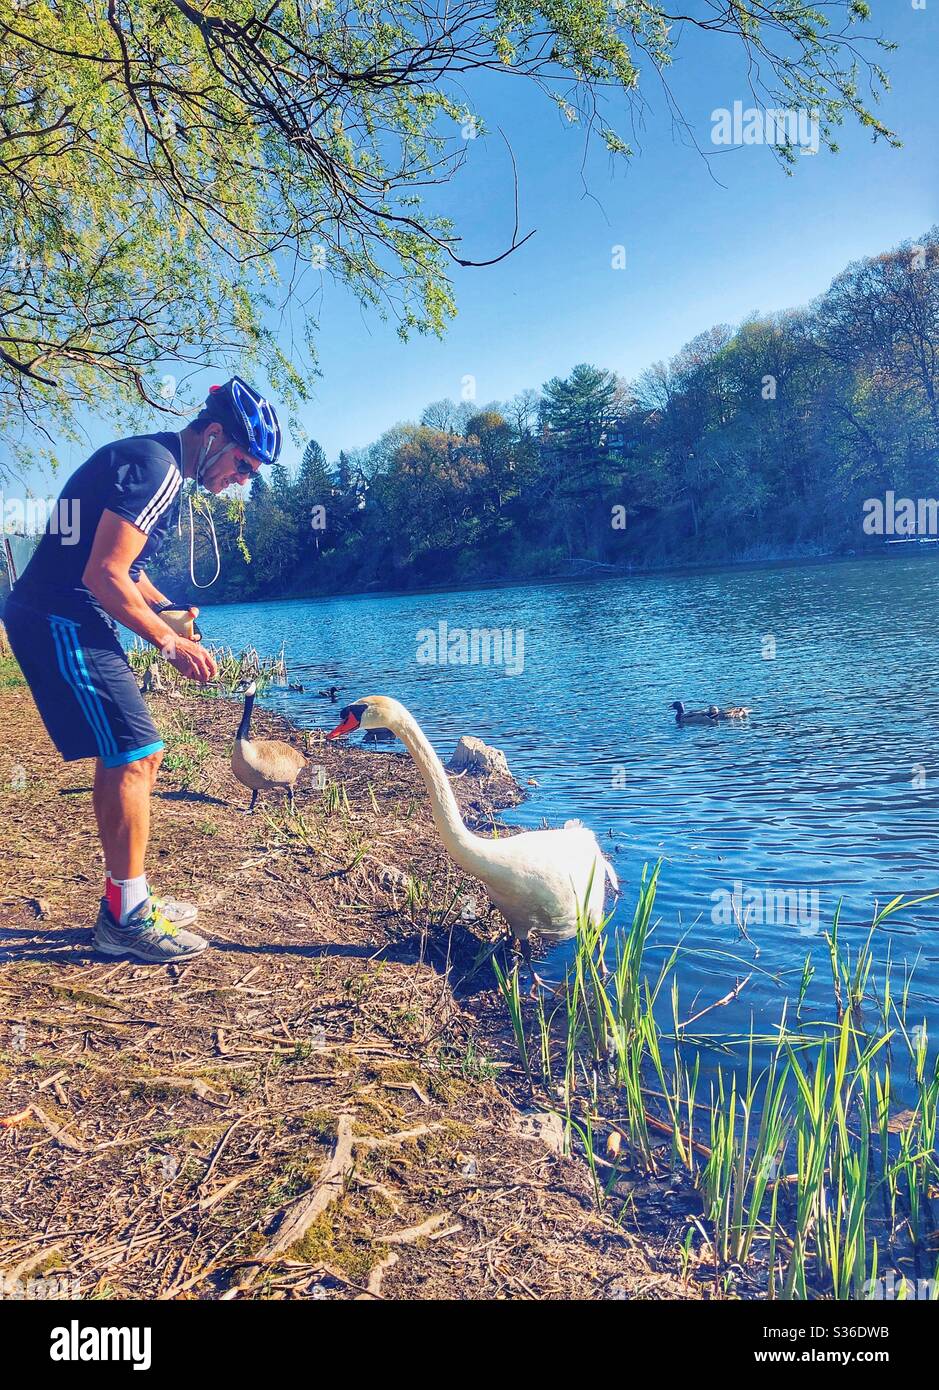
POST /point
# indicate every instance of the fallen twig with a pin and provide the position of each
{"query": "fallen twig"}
(413, 1233)
(375, 1277)
(35, 1112)
(389, 1141)
(718, 1003)
(300, 1216)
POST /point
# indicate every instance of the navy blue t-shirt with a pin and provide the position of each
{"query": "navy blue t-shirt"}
(139, 479)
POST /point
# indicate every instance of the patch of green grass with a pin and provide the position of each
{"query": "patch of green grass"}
(320, 1124)
(472, 1067)
(335, 800)
(186, 755)
(239, 1080)
(333, 1240)
(444, 1145)
(10, 673)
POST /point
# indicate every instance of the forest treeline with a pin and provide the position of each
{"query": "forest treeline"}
(757, 441)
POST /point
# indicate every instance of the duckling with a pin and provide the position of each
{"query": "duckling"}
(731, 712)
(263, 764)
(329, 693)
(692, 716)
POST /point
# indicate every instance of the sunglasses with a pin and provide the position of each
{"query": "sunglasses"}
(244, 469)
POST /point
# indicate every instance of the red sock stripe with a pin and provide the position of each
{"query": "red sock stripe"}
(112, 892)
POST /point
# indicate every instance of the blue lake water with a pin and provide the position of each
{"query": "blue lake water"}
(831, 787)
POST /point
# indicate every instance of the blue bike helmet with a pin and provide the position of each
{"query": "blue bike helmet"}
(246, 417)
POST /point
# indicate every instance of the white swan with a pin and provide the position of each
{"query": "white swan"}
(535, 879)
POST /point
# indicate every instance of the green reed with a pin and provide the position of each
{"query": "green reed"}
(234, 669)
(511, 993)
(802, 1164)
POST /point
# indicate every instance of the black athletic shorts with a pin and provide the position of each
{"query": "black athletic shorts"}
(84, 689)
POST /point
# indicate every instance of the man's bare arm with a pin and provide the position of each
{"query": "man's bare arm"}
(150, 592)
(116, 546)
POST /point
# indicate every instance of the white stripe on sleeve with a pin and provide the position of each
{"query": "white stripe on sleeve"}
(160, 500)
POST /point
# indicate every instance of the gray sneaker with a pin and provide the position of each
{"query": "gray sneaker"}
(148, 936)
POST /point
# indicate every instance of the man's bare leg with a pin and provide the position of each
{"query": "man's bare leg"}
(122, 809)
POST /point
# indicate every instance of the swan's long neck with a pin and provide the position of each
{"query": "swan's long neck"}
(470, 851)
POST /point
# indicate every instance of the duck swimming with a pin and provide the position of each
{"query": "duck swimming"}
(692, 716)
(329, 693)
(731, 712)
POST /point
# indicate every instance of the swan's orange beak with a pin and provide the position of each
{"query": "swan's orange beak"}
(348, 725)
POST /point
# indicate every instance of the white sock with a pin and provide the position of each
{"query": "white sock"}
(134, 891)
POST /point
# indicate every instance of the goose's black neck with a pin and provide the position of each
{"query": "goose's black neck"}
(244, 728)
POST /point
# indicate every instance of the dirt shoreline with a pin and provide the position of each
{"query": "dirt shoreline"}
(328, 1102)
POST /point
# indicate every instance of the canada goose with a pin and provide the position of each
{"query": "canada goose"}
(329, 693)
(535, 879)
(263, 764)
(731, 712)
(692, 716)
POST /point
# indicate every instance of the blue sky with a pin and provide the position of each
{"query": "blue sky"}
(706, 240)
